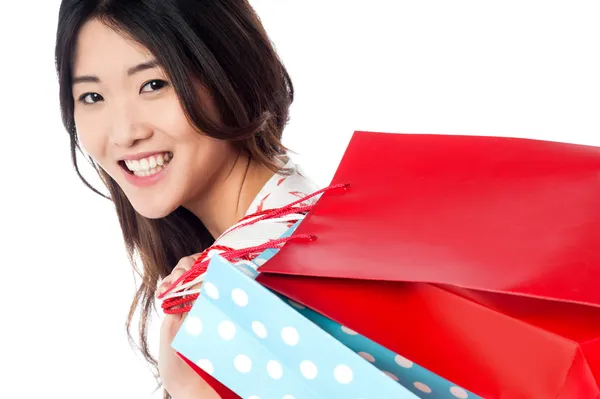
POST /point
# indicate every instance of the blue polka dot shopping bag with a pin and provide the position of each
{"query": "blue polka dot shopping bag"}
(261, 345)
(477, 258)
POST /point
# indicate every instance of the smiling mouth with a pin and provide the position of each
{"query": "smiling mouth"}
(147, 166)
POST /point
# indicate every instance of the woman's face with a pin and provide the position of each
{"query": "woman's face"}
(130, 121)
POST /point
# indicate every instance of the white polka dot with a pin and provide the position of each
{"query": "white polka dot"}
(403, 362)
(288, 397)
(274, 369)
(193, 325)
(211, 290)
(260, 261)
(296, 304)
(392, 376)
(349, 331)
(308, 370)
(290, 336)
(259, 329)
(227, 330)
(422, 387)
(242, 363)
(239, 297)
(367, 356)
(459, 392)
(253, 397)
(205, 365)
(343, 374)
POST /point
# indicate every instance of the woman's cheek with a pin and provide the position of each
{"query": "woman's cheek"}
(167, 116)
(91, 139)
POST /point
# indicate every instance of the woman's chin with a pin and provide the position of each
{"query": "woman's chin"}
(153, 211)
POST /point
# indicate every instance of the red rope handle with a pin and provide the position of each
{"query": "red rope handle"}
(173, 305)
(289, 208)
(196, 268)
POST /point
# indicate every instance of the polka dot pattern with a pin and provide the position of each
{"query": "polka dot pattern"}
(274, 369)
(242, 363)
(367, 356)
(290, 336)
(422, 387)
(348, 331)
(459, 393)
(308, 370)
(262, 345)
(259, 329)
(343, 374)
(391, 375)
(239, 297)
(227, 330)
(193, 325)
(403, 362)
(211, 290)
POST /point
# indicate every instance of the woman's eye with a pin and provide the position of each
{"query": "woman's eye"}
(154, 85)
(90, 98)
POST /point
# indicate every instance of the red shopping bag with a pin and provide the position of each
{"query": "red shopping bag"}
(220, 389)
(476, 257)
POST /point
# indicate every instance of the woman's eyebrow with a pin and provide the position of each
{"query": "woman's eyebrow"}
(131, 71)
(142, 67)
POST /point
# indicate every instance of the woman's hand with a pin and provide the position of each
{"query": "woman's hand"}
(179, 379)
(184, 265)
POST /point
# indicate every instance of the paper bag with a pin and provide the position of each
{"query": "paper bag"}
(259, 346)
(476, 257)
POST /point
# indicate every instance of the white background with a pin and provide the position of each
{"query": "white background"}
(511, 68)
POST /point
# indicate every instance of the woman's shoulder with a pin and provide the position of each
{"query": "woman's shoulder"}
(283, 188)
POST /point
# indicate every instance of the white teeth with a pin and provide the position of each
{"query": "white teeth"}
(133, 165)
(144, 173)
(149, 163)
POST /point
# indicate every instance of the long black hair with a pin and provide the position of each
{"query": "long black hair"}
(219, 44)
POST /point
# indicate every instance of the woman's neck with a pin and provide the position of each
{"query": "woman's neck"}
(230, 197)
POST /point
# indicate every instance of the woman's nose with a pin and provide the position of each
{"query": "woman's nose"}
(127, 129)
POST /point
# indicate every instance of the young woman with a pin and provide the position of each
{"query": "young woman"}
(180, 107)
